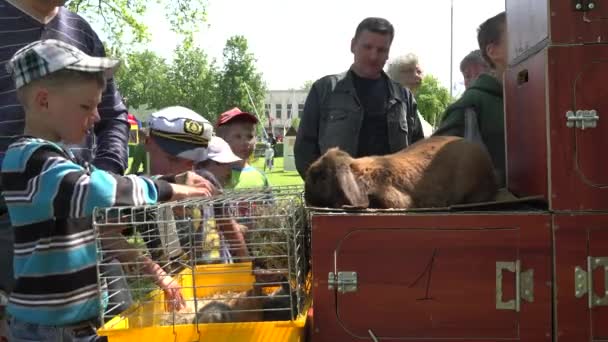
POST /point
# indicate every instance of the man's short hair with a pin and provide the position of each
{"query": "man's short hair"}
(473, 58)
(397, 63)
(490, 32)
(375, 25)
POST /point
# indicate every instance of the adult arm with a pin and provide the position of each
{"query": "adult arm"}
(306, 148)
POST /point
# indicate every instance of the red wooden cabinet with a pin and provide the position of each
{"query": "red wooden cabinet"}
(534, 24)
(422, 277)
(581, 250)
(555, 129)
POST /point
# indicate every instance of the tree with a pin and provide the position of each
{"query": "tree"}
(142, 79)
(432, 99)
(307, 85)
(123, 20)
(192, 82)
(295, 123)
(239, 79)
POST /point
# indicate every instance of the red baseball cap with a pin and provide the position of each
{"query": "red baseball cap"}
(233, 113)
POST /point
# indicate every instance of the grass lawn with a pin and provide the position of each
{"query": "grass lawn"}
(279, 177)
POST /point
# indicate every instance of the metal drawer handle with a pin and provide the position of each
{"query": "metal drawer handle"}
(524, 285)
(583, 281)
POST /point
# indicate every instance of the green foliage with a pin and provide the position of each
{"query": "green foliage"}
(239, 79)
(192, 80)
(295, 123)
(307, 85)
(142, 79)
(123, 20)
(432, 99)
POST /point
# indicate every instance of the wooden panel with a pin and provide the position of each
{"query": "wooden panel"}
(526, 127)
(578, 179)
(544, 156)
(598, 247)
(529, 21)
(526, 24)
(576, 238)
(429, 276)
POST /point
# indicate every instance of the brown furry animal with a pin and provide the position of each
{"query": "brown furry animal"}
(436, 172)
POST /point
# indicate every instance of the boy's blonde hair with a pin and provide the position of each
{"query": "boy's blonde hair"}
(58, 79)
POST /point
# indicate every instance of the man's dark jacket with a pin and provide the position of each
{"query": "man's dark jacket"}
(333, 117)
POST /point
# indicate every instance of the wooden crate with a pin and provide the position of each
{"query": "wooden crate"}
(534, 24)
(431, 276)
(581, 244)
(545, 155)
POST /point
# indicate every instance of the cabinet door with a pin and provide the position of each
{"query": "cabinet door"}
(581, 249)
(418, 277)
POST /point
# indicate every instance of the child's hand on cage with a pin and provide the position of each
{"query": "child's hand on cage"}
(191, 178)
(174, 301)
(185, 191)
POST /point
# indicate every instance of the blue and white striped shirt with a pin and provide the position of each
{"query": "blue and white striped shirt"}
(18, 29)
(50, 200)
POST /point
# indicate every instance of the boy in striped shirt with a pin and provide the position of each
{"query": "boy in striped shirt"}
(50, 198)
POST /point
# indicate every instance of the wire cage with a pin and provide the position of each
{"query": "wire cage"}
(241, 256)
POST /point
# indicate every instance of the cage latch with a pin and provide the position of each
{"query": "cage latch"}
(583, 281)
(582, 119)
(343, 281)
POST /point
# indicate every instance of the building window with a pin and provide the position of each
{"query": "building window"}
(267, 109)
(277, 110)
(289, 111)
(300, 109)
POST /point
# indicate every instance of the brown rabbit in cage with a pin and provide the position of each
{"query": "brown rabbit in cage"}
(436, 172)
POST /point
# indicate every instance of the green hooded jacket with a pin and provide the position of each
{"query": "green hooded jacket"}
(485, 96)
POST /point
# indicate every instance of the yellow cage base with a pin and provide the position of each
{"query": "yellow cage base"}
(141, 322)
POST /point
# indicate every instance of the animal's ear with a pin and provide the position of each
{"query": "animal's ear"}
(350, 188)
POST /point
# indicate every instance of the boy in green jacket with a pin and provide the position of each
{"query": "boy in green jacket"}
(485, 96)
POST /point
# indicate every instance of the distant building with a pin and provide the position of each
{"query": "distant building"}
(282, 106)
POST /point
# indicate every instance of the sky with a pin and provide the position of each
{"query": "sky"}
(295, 41)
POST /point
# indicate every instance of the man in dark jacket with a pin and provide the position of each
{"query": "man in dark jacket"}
(484, 96)
(361, 111)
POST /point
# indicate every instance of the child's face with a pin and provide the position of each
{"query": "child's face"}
(222, 172)
(163, 163)
(240, 136)
(71, 110)
(498, 52)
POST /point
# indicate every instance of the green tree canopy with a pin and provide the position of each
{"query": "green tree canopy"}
(432, 99)
(123, 20)
(142, 79)
(240, 83)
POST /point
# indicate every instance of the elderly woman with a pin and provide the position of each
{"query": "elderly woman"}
(406, 70)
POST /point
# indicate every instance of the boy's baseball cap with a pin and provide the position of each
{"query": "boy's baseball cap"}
(43, 57)
(181, 132)
(233, 113)
(219, 151)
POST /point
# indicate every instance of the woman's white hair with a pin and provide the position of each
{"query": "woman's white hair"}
(397, 63)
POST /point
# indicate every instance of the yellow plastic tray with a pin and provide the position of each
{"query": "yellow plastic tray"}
(140, 323)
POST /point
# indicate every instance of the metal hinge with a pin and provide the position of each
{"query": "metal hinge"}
(524, 285)
(582, 119)
(583, 281)
(344, 281)
(584, 5)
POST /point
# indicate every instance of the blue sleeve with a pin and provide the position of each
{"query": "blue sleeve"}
(40, 182)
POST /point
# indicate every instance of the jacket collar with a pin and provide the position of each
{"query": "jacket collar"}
(346, 84)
